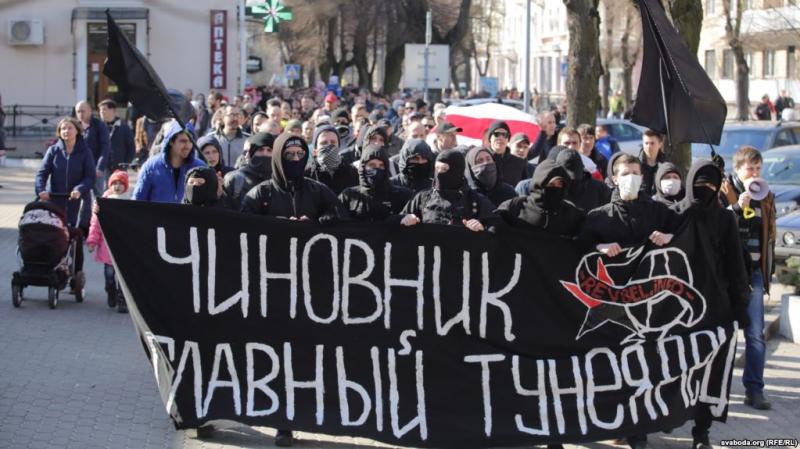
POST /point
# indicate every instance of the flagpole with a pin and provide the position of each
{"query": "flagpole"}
(242, 48)
(527, 94)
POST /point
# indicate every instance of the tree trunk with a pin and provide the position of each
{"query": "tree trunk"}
(394, 68)
(687, 17)
(742, 84)
(583, 23)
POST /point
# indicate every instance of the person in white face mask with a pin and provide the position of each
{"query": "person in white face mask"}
(631, 218)
(669, 185)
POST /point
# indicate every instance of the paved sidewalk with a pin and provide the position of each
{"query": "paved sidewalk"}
(77, 377)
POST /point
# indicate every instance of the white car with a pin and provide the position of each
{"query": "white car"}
(627, 134)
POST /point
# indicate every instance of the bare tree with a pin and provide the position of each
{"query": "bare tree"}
(584, 67)
(487, 18)
(733, 34)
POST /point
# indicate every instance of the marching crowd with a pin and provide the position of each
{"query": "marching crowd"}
(371, 160)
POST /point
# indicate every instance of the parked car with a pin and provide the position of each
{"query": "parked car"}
(627, 134)
(762, 135)
(787, 242)
(781, 169)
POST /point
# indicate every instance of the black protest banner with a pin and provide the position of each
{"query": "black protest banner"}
(432, 336)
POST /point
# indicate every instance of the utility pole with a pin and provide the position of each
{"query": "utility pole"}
(428, 37)
(526, 97)
(242, 48)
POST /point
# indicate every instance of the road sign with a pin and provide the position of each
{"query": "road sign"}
(438, 66)
(489, 84)
(291, 71)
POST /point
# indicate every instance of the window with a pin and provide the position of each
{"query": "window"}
(791, 62)
(769, 63)
(711, 7)
(711, 64)
(784, 138)
(727, 65)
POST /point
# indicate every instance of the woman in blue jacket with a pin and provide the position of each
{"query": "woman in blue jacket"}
(69, 167)
(162, 177)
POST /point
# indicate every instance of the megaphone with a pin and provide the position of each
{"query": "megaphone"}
(758, 189)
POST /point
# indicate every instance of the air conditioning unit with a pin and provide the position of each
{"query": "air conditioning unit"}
(25, 32)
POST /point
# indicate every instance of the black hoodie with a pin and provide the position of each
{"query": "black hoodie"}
(499, 191)
(368, 202)
(610, 170)
(717, 233)
(353, 153)
(533, 212)
(670, 201)
(451, 206)
(627, 222)
(286, 197)
(411, 148)
(585, 192)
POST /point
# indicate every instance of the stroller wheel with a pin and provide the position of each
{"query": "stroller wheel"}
(16, 294)
(52, 297)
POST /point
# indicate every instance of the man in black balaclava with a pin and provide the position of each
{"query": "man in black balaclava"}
(288, 194)
(482, 176)
(545, 208)
(585, 192)
(202, 187)
(669, 185)
(257, 168)
(415, 162)
(374, 199)
(717, 234)
(326, 163)
(450, 201)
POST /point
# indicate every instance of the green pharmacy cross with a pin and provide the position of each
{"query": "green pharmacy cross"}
(272, 11)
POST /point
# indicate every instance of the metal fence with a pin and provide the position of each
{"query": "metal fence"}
(33, 120)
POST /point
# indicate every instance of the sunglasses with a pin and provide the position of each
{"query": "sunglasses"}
(294, 155)
(502, 134)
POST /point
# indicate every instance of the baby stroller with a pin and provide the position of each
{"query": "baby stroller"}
(46, 248)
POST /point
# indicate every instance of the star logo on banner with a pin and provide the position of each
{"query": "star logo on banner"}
(273, 12)
(657, 292)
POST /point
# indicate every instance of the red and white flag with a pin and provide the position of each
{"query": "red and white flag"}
(475, 120)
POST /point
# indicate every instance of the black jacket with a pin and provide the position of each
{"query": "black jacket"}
(283, 197)
(379, 202)
(627, 222)
(531, 212)
(718, 235)
(649, 173)
(542, 146)
(434, 206)
(238, 183)
(585, 192)
(343, 177)
(511, 168)
(121, 147)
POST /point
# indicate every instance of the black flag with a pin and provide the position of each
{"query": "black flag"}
(127, 67)
(675, 95)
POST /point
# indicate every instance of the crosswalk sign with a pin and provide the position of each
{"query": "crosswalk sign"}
(291, 71)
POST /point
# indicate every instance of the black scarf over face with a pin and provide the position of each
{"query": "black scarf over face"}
(375, 182)
(201, 195)
(483, 178)
(545, 201)
(416, 173)
(702, 200)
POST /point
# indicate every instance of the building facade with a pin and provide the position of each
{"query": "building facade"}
(770, 32)
(53, 50)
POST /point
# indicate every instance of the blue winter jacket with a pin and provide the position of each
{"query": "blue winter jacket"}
(156, 178)
(66, 173)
